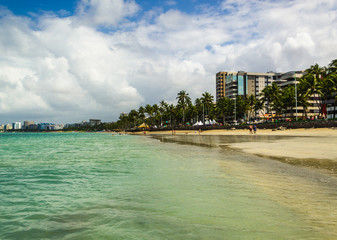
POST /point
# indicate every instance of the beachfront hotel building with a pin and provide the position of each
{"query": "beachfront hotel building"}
(232, 84)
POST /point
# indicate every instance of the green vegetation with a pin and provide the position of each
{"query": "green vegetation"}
(185, 113)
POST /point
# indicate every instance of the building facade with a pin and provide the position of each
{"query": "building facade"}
(220, 85)
(16, 126)
(27, 125)
(232, 84)
(241, 83)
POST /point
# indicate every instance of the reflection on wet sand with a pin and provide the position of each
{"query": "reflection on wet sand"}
(230, 142)
(307, 191)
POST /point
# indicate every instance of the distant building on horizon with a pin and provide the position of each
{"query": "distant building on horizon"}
(94, 121)
(46, 126)
(8, 127)
(16, 126)
(27, 125)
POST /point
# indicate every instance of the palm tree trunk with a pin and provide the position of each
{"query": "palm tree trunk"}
(183, 117)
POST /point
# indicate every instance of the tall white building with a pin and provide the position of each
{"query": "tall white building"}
(16, 126)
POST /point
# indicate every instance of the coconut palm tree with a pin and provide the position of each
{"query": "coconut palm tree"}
(162, 110)
(155, 112)
(259, 105)
(332, 74)
(288, 99)
(149, 112)
(199, 109)
(207, 100)
(333, 66)
(312, 81)
(327, 88)
(172, 112)
(302, 99)
(133, 117)
(141, 113)
(251, 101)
(272, 96)
(183, 101)
(241, 107)
(224, 108)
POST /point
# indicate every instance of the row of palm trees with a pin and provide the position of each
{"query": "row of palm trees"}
(166, 114)
(318, 84)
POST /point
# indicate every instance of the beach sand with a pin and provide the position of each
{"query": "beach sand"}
(309, 147)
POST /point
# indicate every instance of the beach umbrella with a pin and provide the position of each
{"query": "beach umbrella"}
(143, 125)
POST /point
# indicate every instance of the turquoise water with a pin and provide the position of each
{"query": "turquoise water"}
(99, 186)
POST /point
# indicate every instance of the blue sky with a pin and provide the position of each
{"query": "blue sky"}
(26, 7)
(68, 61)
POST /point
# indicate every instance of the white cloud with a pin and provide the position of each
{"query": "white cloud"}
(66, 69)
(105, 12)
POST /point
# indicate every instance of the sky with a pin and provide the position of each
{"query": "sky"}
(67, 61)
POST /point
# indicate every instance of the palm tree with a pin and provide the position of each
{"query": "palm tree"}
(224, 107)
(312, 81)
(241, 107)
(162, 110)
(332, 72)
(155, 112)
(251, 101)
(333, 66)
(272, 95)
(327, 89)
(259, 105)
(183, 101)
(141, 113)
(133, 117)
(198, 105)
(288, 99)
(207, 101)
(302, 99)
(172, 111)
(149, 111)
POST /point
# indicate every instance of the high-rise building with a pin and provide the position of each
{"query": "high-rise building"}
(27, 125)
(16, 126)
(220, 85)
(233, 84)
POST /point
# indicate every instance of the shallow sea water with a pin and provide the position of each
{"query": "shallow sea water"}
(99, 186)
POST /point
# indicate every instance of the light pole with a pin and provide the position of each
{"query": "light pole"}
(235, 110)
(296, 96)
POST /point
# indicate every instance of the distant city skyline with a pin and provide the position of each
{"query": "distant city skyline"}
(66, 61)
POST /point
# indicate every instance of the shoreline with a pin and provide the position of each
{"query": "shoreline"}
(315, 148)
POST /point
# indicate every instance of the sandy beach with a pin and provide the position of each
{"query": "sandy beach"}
(314, 147)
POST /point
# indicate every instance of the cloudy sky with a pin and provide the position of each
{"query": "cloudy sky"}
(70, 60)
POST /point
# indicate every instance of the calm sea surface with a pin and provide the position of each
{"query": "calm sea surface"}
(99, 186)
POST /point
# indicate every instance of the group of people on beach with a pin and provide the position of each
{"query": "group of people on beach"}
(252, 128)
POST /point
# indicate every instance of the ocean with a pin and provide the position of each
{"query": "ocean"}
(100, 186)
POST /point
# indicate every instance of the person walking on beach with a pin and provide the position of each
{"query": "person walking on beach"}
(254, 129)
(250, 129)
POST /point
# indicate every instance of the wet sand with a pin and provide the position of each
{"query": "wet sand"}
(308, 147)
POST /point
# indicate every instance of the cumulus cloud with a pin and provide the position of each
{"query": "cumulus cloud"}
(103, 60)
(105, 12)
